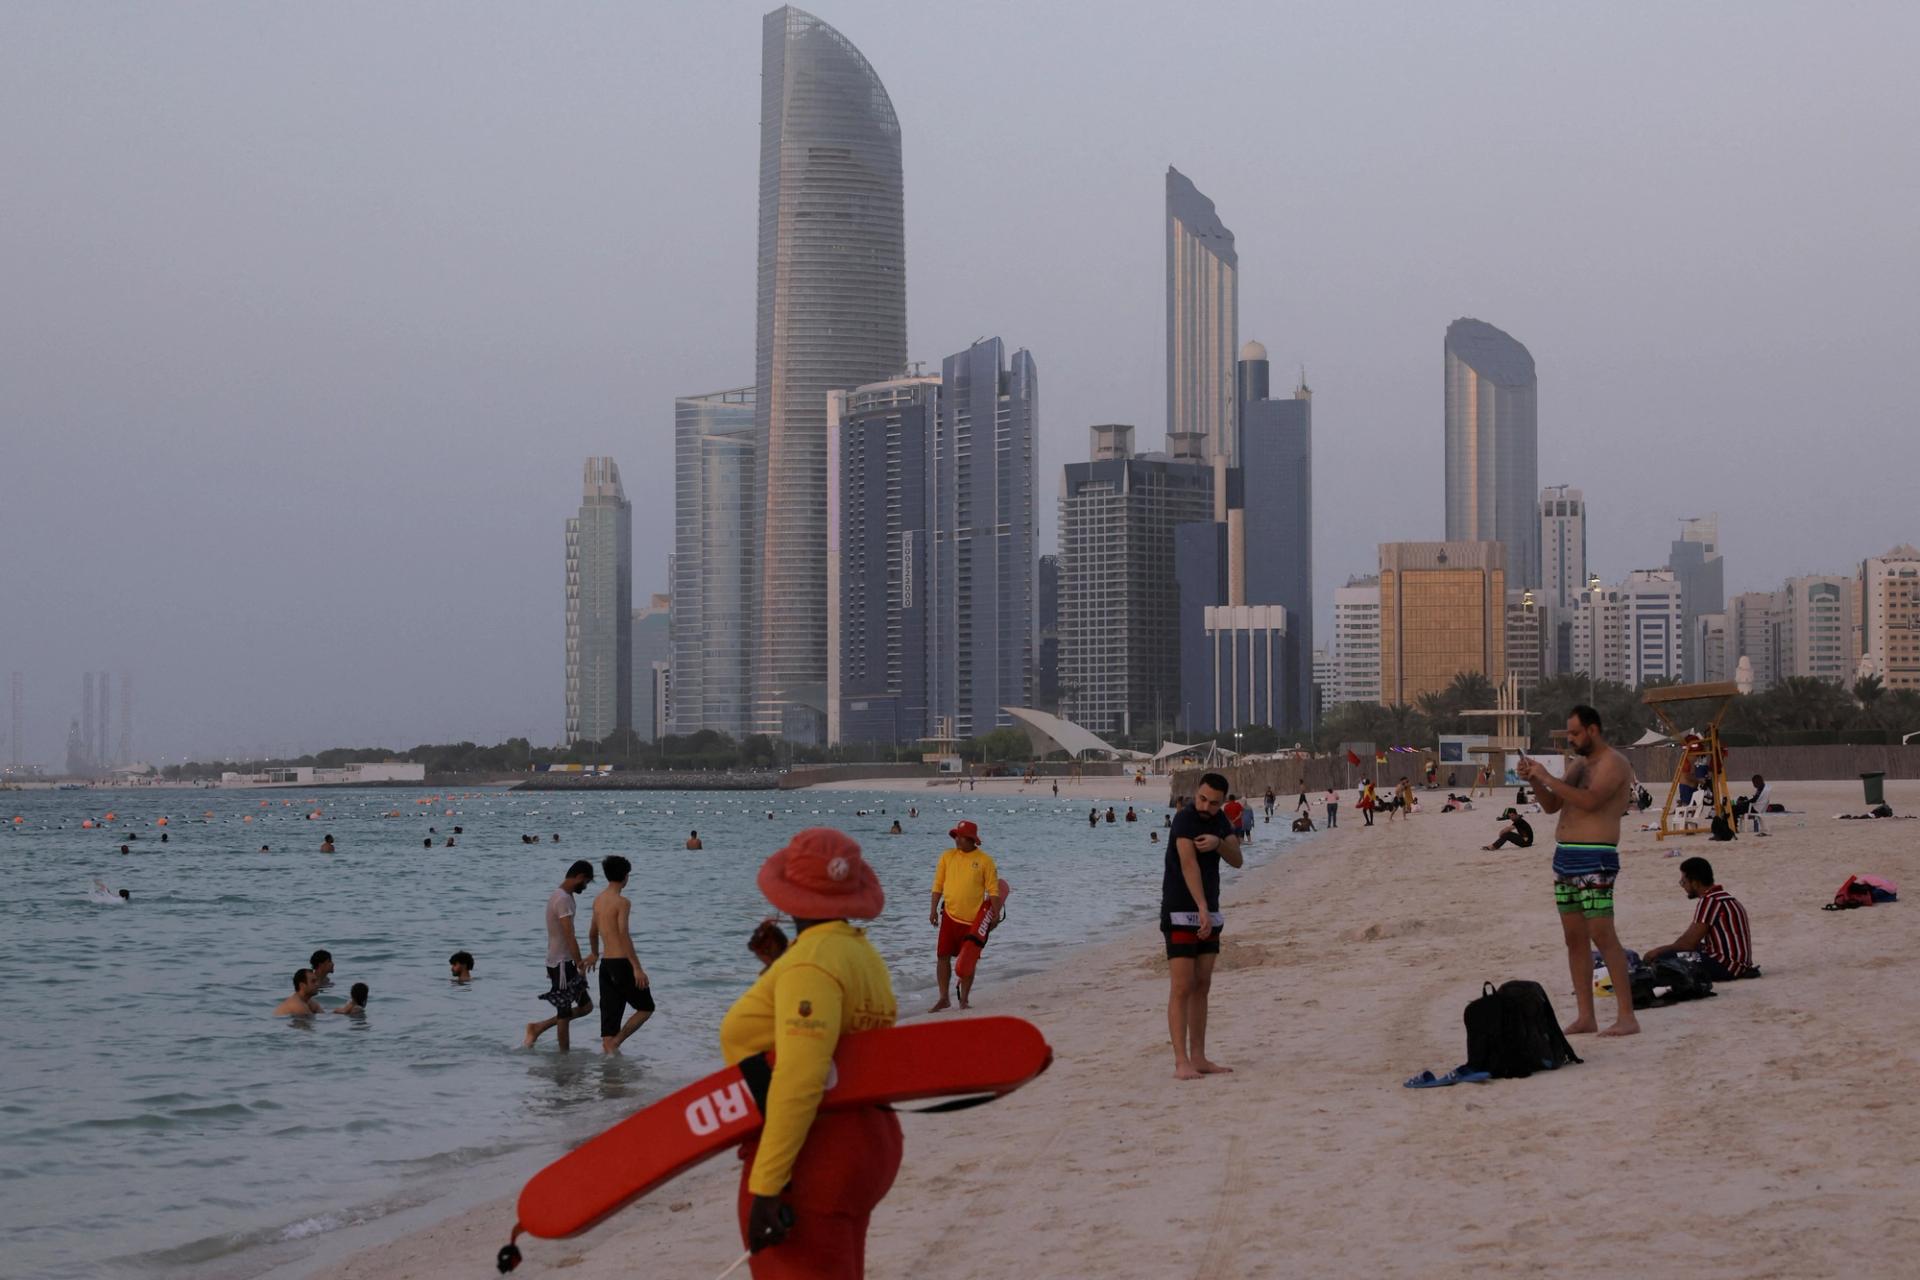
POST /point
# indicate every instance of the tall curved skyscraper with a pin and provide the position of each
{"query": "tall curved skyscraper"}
(832, 315)
(1203, 320)
(1493, 455)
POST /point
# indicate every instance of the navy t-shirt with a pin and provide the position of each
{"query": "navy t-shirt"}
(1187, 824)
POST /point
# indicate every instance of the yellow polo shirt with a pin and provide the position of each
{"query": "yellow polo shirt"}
(830, 981)
(965, 880)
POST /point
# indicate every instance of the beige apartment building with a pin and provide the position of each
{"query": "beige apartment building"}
(1890, 617)
(1442, 613)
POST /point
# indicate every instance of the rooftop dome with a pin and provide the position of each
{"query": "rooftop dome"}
(1253, 351)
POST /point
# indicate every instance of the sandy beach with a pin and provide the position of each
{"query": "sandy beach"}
(1765, 1132)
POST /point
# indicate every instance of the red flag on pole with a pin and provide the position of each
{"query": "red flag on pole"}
(1352, 758)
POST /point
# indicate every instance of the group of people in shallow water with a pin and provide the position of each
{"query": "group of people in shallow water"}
(310, 981)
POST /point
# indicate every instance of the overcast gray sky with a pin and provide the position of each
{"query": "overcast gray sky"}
(309, 314)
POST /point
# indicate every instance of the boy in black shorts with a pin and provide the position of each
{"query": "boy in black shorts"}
(1190, 918)
(623, 983)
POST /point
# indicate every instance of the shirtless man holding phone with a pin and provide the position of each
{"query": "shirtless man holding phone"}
(1586, 861)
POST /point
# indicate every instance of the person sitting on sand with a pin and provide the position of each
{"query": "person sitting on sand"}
(461, 963)
(301, 1002)
(1586, 861)
(693, 840)
(1191, 922)
(1757, 805)
(356, 999)
(1720, 933)
(1302, 822)
(1518, 832)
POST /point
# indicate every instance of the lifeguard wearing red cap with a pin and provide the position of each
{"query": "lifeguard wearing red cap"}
(965, 831)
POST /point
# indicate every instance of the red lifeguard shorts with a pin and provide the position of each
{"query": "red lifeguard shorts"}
(952, 934)
(844, 1171)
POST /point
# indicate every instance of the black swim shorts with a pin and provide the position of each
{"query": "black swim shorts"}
(1182, 932)
(618, 992)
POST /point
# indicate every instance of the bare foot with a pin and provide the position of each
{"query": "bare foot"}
(533, 1033)
(1206, 1068)
(609, 1044)
(1580, 1027)
(944, 1003)
(1623, 1027)
(964, 1004)
(1184, 1071)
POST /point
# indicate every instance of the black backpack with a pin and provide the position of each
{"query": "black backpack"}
(1512, 1032)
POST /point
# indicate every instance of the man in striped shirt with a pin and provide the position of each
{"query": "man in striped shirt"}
(1719, 931)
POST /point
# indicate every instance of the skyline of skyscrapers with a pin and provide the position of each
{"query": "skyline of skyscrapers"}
(1492, 469)
(599, 680)
(832, 314)
(1203, 320)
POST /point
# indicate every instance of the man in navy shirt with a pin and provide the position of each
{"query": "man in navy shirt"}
(1190, 918)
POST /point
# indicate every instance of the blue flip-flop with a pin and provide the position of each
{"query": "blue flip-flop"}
(1428, 1080)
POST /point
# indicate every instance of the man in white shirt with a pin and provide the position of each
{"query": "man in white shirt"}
(566, 970)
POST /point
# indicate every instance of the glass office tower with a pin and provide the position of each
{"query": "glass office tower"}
(715, 549)
(600, 607)
(832, 316)
(1493, 468)
(1203, 319)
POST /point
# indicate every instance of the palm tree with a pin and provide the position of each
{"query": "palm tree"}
(1868, 690)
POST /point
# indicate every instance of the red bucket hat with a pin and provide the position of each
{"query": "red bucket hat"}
(966, 829)
(820, 875)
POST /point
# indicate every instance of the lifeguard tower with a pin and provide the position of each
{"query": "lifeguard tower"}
(1709, 702)
(1509, 731)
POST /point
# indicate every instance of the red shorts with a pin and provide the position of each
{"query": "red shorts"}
(844, 1171)
(952, 934)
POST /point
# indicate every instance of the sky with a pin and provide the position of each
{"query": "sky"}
(310, 314)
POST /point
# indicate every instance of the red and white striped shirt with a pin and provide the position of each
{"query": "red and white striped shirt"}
(1728, 941)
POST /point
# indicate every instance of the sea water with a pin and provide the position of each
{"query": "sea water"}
(155, 1119)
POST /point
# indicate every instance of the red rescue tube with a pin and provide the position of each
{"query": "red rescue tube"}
(970, 946)
(942, 1059)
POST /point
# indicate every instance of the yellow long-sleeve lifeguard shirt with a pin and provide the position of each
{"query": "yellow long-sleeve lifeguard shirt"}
(830, 981)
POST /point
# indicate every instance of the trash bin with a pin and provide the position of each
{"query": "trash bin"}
(1874, 784)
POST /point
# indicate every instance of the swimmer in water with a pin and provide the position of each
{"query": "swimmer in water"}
(326, 845)
(461, 962)
(301, 1002)
(356, 1000)
(321, 962)
(895, 830)
(101, 893)
(693, 840)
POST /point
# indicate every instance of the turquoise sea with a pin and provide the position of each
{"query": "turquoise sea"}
(155, 1120)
